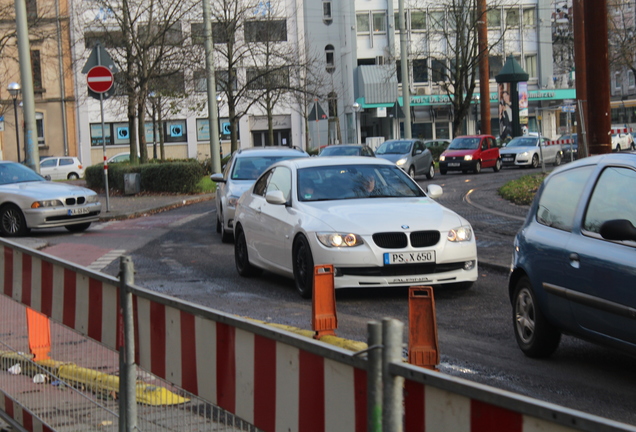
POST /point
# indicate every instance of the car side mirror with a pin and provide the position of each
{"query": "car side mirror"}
(217, 178)
(275, 197)
(618, 229)
(418, 151)
(434, 191)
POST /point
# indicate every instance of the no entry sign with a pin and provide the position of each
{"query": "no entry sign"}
(100, 79)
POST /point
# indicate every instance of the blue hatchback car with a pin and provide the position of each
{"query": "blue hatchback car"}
(574, 260)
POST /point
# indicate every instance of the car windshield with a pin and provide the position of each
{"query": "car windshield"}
(340, 182)
(394, 147)
(17, 173)
(522, 142)
(464, 144)
(340, 151)
(250, 167)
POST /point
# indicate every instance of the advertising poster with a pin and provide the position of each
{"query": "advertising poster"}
(522, 87)
(505, 112)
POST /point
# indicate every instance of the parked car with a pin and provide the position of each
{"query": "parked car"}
(363, 215)
(471, 153)
(239, 174)
(571, 150)
(28, 201)
(573, 267)
(525, 151)
(347, 150)
(622, 141)
(119, 158)
(409, 154)
(62, 168)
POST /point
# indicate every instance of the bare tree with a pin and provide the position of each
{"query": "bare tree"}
(622, 34)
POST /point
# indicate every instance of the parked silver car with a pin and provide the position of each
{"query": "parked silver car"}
(409, 154)
(28, 201)
(239, 174)
(525, 151)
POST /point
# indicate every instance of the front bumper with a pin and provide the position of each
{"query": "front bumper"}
(457, 165)
(363, 266)
(60, 216)
(515, 160)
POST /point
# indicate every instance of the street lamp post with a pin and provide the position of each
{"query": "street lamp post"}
(152, 96)
(218, 119)
(14, 90)
(357, 107)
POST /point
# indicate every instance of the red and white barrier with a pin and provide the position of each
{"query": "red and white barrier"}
(22, 416)
(622, 130)
(563, 141)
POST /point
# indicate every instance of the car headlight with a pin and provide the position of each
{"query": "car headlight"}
(232, 200)
(339, 239)
(46, 203)
(442, 158)
(468, 157)
(524, 154)
(461, 234)
(401, 162)
(91, 199)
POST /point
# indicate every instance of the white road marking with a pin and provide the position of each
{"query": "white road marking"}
(106, 259)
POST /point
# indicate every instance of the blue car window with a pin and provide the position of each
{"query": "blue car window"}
(614, 197)
(560, 197)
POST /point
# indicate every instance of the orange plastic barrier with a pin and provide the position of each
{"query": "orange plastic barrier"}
(39, 334)
(423, 347)
(324, 320)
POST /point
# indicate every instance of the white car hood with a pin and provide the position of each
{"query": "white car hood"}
(237, 187)
(44, 189)
(517, 150)
(368, 216)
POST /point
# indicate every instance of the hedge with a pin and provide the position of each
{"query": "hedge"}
(172, 177)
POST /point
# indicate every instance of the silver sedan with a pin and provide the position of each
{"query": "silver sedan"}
(27, 200)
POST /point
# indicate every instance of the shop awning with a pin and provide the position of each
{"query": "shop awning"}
(378, 86)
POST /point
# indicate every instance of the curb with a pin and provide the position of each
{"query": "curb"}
(153, 210)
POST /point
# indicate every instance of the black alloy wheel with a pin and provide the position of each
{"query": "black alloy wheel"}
(12, 221)
(303, 267)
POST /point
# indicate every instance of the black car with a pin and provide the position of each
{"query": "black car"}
(571, 149)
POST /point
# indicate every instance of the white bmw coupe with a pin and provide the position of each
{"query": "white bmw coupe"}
(365, 216)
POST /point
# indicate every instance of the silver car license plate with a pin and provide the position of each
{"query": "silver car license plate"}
(78, 211)
(453, 164)
(408, 257)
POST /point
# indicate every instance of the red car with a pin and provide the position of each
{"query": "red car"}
(471, 153)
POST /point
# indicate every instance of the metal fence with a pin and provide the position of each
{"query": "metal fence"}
(76, 389)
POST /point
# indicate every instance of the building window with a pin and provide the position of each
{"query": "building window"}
(162, 33)
(175, 131)
(418, 20)
(495, 63)
(222, 78)
(266, 31)
(362, 23)
(36, 66)
(529, 17)
(169, 82)
(420, 70)
(531, 65)
(438, 69)
(110, 38)
(630, 79)
(379, 22)
(200, 81)
(326, 12)
(617, 80)
(220, 33)
(262, 79)
(32, 9)
(494, 18)
(512, 17)
(396, 17)
(39, 125)
(329, 58)
(436, 20)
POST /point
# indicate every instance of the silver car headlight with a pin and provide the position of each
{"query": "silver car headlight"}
(461, 234)
(47, 203)
(232, 200)
(91, 199)
(401, 162)
(524, 154)
(468, 157)
(339, 239)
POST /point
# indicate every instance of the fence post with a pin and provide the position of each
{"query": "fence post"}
(392, 336)
(374, 376)
(127, 368)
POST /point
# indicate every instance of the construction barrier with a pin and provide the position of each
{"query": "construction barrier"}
(272, 379)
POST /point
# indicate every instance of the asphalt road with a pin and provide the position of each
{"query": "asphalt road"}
(179, 253)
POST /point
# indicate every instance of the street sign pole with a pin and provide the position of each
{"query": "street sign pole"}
(101, 111)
